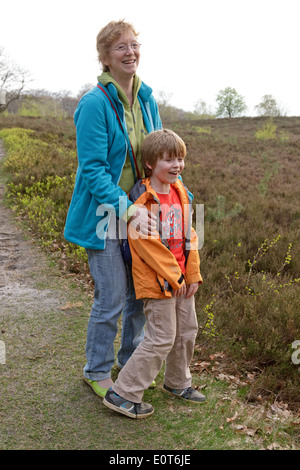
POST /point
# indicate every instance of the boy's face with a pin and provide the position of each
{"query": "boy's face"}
(166, 170)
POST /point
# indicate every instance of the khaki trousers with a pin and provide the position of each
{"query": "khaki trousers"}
(170, 335)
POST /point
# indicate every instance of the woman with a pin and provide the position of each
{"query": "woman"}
(111, 122)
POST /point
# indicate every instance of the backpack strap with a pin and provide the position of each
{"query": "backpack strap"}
(133, 161)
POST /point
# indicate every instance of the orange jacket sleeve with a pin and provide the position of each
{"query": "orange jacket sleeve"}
(157, 256)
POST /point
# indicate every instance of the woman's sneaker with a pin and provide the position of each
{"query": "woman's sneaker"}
(188, 393)
(126, 407)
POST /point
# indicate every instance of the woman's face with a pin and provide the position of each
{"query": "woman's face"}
(123, 57)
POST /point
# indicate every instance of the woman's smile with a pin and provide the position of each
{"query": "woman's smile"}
(123, 58)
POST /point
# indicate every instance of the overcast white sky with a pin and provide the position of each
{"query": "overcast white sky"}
(191, 49)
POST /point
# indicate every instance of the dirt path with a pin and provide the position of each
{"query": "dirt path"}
(18, 261)
(43, 317)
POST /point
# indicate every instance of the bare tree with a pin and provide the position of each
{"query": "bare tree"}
(13, 81)
(270, 107)
(201, 110)
(84, 89)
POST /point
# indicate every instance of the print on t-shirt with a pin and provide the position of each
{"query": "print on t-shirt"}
(172, 224)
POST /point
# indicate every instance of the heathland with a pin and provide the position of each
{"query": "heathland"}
(245, 173)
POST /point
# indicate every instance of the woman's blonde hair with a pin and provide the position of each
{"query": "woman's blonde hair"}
(107, 35)
(157, 144)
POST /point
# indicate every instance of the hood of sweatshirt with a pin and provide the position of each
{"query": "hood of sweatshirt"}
(105, 78)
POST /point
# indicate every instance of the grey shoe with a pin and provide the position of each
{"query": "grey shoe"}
(126, 407)
(188, 393)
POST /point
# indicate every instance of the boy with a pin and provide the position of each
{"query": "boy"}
(166, 274)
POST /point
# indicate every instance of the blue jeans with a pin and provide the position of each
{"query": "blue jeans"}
(114, 295)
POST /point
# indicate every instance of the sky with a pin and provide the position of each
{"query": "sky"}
(191, 49)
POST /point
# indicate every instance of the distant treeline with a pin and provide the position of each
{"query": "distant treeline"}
(41, 102)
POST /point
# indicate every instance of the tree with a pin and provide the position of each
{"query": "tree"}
(230, 103)
(84, 89)
(39, 102)
(168, 112)
(201, 110)
(13, 80)
(269, 107)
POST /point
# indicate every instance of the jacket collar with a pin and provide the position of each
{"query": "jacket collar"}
(143, 90)
(143, 190)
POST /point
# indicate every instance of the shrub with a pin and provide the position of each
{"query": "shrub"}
(42, 175)
(256, 314)
(267, 131)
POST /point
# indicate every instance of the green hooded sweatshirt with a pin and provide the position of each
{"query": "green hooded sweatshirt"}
(135, 128)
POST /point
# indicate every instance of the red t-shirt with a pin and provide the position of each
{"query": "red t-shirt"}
(172, 224)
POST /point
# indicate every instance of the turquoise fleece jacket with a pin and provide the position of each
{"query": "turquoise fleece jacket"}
(101, 151)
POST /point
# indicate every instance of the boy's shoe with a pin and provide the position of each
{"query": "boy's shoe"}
(100, 391)
(188, 393)
(126, 407)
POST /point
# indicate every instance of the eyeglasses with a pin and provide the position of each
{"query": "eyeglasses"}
(135, 46)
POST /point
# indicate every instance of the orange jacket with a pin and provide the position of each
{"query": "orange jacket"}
(154, 268)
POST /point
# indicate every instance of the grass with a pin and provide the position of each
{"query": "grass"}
(248, 313)
(45, 405)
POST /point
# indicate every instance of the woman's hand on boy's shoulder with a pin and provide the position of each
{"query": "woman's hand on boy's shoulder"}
(143, 221)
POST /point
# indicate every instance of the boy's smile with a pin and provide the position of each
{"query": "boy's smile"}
(166, 172)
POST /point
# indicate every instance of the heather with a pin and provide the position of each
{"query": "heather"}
(245, 171)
